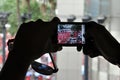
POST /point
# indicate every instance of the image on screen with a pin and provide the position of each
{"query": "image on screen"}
(69, 34)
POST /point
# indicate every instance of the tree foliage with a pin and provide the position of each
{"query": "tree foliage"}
(37, 10)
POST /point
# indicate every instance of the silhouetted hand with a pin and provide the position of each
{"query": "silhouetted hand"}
(99, 42)
(90, 48)
(33, 39)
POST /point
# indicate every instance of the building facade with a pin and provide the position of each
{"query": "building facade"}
(69, 60)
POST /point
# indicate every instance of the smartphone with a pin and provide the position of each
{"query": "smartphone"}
(70, 33)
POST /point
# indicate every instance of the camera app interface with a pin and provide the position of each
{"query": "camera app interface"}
(69, 34)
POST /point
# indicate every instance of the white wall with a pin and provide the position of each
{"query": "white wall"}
(115, 30)
(69, 60)
(70, 7)
(115, 22)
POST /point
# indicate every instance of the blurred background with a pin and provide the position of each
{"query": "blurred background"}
(72, 65)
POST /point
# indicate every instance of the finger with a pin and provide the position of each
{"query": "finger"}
(79, 47)
(39, 21)
(54, 22)
(10, 44)
(90, 48)
(91, 52)
(10, 41)
(60, 48)
(55, 19)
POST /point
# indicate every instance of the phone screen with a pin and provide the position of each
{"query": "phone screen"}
(70, 33)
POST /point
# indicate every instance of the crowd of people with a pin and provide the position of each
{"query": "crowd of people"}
(69, 37)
